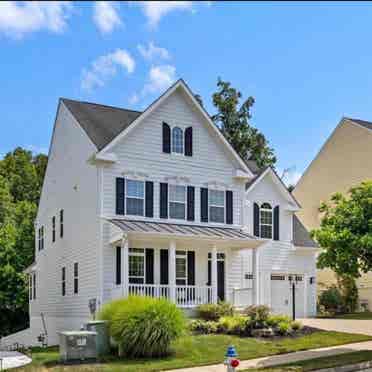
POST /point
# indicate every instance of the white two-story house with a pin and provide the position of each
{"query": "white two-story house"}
(158, 203)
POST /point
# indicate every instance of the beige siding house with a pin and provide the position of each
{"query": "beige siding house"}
(343, 161)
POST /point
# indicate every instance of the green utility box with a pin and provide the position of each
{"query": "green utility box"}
(103, 337)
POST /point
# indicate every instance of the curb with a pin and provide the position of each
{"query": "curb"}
(348, 368)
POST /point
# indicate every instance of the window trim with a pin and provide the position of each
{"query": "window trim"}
(265, 224)
(183, 140)
(76, 277)
(185, 202)
(137, 254)
(63, 281)
(217, 206)
(134, 197)
(182, 256)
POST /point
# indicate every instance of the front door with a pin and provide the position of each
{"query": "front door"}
(220, 274)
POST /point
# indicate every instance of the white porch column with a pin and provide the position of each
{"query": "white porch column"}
(305, 279)
(172, 270)
(256, 277)
(125, 265)
(214, 274)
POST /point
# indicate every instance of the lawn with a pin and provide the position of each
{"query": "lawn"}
(366, 315)
(193, 351)
(318, 363)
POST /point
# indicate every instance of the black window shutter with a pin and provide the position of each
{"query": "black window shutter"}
(118, 265)
(163, 200)
(276, 223)
(203, 204)
(190, 203)
(256, 219)
(120, 195)
(209, 272)
(190, 268)
(166, 138)
(229, 207)
(149, 199)
(188, 141)
(149, 266)
(164, 269)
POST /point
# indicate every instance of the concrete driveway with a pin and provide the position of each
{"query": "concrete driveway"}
(363, 327)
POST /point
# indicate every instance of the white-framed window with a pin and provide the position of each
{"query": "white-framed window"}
(177, 202)
(135, 197)
(177, 140)
(76, 278)
(137, 265)
(181, 267)
(216, 206)
(32, 286)
(53, 229)
(63, 281)
(41, 238)
(266, 221)
(61, 223)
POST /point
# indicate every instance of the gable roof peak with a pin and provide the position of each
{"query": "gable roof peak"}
(363, 123)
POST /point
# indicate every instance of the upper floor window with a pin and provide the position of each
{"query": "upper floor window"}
(63, 282)
(217, 206)
(135, 197)
(177, 202)
(136, 265)
(266, 221)
(76, 277)
(53, 229)
(61, 223)
(41, 238)
(177, 140)
(32, 286)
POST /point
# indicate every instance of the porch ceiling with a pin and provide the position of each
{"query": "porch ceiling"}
(182, 230)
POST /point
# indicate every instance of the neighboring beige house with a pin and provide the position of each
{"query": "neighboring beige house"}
(343, 161)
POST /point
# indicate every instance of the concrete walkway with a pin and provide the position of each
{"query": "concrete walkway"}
(286, 358)
(13, 359)
(363, 327)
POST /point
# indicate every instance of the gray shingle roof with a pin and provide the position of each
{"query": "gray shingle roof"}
(301, 237)
(178, 229)
(101, 123)
(363, 123)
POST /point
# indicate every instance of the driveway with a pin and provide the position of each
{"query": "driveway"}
(363, 327)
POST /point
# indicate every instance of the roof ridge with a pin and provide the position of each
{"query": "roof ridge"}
(99, 104)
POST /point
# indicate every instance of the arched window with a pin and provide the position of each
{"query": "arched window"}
(177, 140)
(266, 221)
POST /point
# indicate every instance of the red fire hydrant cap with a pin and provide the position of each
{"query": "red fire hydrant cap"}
(235, 363)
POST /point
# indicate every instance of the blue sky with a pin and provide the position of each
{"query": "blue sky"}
(306, 64)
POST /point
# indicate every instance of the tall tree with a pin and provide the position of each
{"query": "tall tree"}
(232, 118)
(345, 232)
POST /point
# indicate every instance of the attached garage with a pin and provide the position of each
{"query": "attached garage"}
(282, 296)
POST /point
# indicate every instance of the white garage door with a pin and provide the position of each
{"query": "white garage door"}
(281, 294)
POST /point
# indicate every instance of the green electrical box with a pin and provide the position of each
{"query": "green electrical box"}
(103, 337)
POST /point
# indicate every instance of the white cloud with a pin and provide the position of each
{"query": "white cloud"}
(17, 19)
(37, 149)
(106, 67)
(152, 51)
(290, 176)
(106, 17)
(159, 79)
(155, 10)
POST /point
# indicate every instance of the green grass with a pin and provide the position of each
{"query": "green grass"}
(192, 351)
(324, 362)
(366, 315)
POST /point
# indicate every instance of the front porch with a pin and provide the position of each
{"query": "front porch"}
(187, 265)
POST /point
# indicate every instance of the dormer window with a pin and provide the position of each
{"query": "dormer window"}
(177, 140)
(266, 221)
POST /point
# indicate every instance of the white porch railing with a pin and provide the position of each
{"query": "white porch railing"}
(183, 296)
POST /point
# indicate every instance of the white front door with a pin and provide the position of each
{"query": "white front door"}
(282, 294)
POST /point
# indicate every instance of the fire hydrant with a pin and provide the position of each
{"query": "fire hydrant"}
(231, 361)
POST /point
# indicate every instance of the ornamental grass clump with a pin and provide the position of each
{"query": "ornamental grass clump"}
(144, 326)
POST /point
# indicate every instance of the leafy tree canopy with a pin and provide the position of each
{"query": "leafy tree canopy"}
(232, 119)
(345, 232)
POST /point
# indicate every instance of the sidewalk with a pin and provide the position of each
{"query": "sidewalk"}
(285, 358)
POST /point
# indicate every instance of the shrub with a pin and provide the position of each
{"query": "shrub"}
(296, 325)
(283, 328)
(236, 324)
(331, 299)
(274, 320)
(143, 326)
(215, 311)
(203, 326)
(258, 314)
